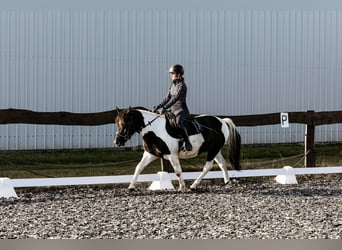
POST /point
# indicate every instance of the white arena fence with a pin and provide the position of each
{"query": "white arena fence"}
(97, 180)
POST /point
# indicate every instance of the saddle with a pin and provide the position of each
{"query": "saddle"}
(192, 126)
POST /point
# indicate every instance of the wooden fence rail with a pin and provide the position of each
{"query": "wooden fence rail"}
(12, 116)
(310, 118)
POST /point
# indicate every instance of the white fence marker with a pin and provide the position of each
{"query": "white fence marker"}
(6, 188)
(288, 178)
(164, 182)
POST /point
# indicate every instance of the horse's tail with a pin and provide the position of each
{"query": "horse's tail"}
(234, 144)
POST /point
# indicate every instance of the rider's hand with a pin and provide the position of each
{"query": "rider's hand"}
(154, 109)
(163, 111)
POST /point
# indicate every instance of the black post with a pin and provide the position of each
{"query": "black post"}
(309, 143)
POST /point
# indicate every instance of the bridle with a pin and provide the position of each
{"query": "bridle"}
(126, 135)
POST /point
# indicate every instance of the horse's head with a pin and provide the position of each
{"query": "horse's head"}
(127, 121)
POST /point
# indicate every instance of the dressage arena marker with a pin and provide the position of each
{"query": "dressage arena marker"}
(288, 178)
(6, 188)
(164, 182)
(96, 180)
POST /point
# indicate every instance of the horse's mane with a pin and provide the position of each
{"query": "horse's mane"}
(140, 107)
(146, 110)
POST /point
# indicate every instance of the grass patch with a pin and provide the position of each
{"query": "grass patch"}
(97, 162)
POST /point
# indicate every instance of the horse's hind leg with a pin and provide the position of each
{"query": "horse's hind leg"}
(221, 162)
(145, 160)
(208, 165)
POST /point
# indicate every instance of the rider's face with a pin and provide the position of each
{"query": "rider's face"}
(174, 75)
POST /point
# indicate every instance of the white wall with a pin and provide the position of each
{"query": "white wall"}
(237, 62)
(173, 5)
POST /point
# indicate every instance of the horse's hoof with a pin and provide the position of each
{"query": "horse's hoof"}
(234, 181)
(131, 190)
(195, 189)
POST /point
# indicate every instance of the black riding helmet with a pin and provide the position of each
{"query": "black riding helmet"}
(177, 68)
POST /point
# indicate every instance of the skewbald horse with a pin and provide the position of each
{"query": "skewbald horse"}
(161, 140)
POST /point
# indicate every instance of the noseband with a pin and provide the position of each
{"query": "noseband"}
(123, 136)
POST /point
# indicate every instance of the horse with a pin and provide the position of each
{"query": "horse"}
(160, 140)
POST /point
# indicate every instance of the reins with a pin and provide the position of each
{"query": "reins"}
(150, 122)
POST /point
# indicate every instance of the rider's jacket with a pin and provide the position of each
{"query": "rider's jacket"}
(176, 98)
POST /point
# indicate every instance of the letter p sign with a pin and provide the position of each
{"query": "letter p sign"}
(284, 120)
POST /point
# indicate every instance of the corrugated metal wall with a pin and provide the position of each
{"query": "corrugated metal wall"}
(236, 62)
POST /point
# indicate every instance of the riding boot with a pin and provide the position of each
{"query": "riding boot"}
(188, 146)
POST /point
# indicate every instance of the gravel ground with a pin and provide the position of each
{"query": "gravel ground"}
(247, 210)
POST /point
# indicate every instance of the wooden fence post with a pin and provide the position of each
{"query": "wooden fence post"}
(309, 143)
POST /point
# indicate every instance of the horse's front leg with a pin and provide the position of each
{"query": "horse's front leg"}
(145, 160)
(178, 171)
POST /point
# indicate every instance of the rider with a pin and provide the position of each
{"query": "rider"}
(176, 100)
